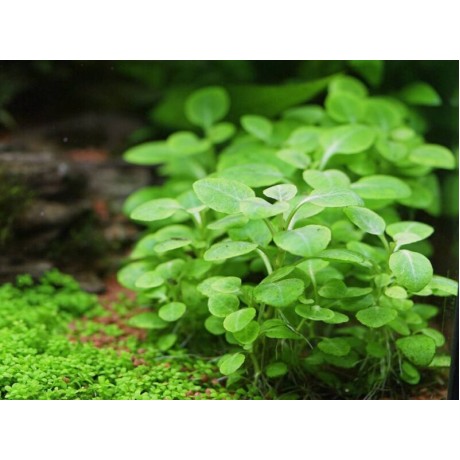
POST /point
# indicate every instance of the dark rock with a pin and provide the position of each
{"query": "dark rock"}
(9, 269)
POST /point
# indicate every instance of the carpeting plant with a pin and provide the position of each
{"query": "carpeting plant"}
(38, 360)
(295, 239)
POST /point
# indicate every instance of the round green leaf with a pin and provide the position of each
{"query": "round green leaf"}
(437, 336)
(220, 285)
(183, 143)
(149, 153)
(419, 349)
(334, 198)
(294, 157)
(239, 319)
(347, 84)
(153, 210)
(274, 370)
(227, 250)
(248, 334)
(347, 139)
(420, 93)
(231, 363)
(259, 127)
(326, 180)
(365, 219)
(304, 139)
(172, 311)
(258, 208)
(149, 280)
(283, 192)
(170, 245)
(222, 195)
(380, 187)
(233, 220)
(314, 312)
(376, 316)
(165, 342)
(383, 114)
(215, 325)
(253, 175)
(147, 321)
(221, 305)
(335, 346)
(443, 287)
(408, 232)
(338, 318)
(434, 156)
(280, 293)
(221, 132)
(343, 255)
(409, 373)
(412, 270)
(345, 107)
(306, 241)
(206, 106)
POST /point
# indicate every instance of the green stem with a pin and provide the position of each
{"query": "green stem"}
(265, 260)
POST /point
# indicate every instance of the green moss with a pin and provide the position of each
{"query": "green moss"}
(38, 361)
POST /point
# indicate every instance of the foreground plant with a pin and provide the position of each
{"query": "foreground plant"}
(296, 242)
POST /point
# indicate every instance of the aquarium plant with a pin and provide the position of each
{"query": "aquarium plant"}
(294, 238)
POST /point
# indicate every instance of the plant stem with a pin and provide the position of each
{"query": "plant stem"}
(265, 260)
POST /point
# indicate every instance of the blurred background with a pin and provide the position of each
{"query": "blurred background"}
(65, 124)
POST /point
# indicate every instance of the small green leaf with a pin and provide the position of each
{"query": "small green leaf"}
(274, 370)
(418, 349)
(172, 311)
(239, 319)
(206, 106)
(221, 305)
(344, 107)
(282, 332)
(222, 195)
(326, 180)
(434, 156)
(396, 292)
(437, 336)
(420, 93)
(253, 175)
(338, 318)
(383, 114)
(365, 219)
(443, 287)
(150, 153)
(306, 241)
(408, 232)
(409, 373)
(221, 132)
(147, 321)
(280, 293)
(314, 312)
(227, 250)
(347, 84)
(412, 270)
(335, 346)
(347, 139)
(258, 208)
(304, 139)
(165, 342)
(294, 157)
(170, 245)
(255, 231)
(233, 220)
(153, 210)
(441, 361)
(248, 334)
(183, 143)
(283, 192)
(231, 363)
(149, 280)
(259, 127)
(380, 187)
(343, 255)
(334, 198)
(215, 325)
(376, 316)
(220, 285)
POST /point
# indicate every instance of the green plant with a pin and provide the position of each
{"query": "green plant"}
(38, 361)
(295, 239)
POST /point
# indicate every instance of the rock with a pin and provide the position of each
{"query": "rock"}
(44, 173)
(9, 268)
(42, 214)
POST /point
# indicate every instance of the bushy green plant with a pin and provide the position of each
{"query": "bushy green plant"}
(295, 239)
